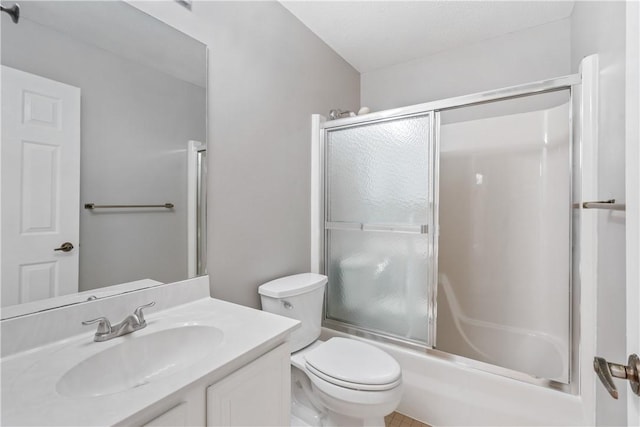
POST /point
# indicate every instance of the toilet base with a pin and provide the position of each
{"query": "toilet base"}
(305, 408)
(309, 411)
(336, 420)
(339, 420)
(297, 422)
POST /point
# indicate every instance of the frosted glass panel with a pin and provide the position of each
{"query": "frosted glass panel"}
(378, 173)
(378, 178)
(378, 281)
(504, 248)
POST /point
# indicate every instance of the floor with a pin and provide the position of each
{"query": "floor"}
(396, 419)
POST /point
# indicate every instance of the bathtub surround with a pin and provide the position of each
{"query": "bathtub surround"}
(504, 248)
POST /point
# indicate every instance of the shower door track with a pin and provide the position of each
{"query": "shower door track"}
(503, 94)
(432, 108)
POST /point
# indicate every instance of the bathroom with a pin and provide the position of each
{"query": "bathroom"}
(269, 66)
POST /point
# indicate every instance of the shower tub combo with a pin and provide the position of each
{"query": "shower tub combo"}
(452, 236)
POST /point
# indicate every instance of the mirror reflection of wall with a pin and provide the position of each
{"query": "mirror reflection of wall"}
(132, 95)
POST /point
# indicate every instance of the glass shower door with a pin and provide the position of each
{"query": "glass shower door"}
(378, 227)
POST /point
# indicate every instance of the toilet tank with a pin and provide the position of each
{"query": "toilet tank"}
(299, 297)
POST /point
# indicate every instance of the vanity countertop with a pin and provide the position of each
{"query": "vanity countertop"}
(31, 392)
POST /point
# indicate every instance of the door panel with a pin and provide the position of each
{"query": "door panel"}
(40, 187)
(378, 282)
(379, 172)
(379, 226)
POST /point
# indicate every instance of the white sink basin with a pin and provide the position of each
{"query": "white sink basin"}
(139, 360)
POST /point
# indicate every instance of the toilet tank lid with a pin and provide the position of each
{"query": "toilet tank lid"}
(292, 285)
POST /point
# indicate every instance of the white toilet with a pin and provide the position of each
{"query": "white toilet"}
(340, 382)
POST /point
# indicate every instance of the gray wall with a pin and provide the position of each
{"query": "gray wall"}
(599, 27)
(135, 122)
(533, 54)
(267, 74)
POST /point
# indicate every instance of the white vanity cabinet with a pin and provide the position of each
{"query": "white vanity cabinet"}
(257, 394)
(176, 416)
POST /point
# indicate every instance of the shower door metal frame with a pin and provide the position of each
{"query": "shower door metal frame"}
(430, 229)
(433, 109)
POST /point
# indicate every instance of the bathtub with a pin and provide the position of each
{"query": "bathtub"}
(443, 392)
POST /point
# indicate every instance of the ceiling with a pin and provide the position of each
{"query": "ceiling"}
(376, 34)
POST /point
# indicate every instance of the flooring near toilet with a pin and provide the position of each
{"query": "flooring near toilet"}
(396, 419)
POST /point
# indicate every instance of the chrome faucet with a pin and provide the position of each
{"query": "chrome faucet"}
(131, 323)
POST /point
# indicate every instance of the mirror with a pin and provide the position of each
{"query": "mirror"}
(103, 148)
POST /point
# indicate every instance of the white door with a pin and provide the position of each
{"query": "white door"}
(40, 187)
(633, 195)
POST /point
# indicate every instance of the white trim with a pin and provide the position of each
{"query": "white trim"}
(192, 206)
(316, 191)
(632, 111)
(588, 234)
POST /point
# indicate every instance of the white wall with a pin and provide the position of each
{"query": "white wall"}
(135, 125)
(599, 27)
(267, 74)
(534, 54)
(632, 112)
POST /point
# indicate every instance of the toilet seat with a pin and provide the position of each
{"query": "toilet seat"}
(351, 385)
(354, 365)
(346, 396)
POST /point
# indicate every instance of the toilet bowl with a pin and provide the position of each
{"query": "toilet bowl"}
(341, 381)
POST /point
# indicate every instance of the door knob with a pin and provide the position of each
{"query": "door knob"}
(65, 247)
(606, 371)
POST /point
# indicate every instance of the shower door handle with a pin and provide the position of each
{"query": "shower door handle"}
(390, 228)
(607, 371)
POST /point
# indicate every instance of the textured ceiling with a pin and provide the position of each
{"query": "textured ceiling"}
(376, 34)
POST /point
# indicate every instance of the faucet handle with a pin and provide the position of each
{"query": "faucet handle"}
(138, 311)
(104, 326)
